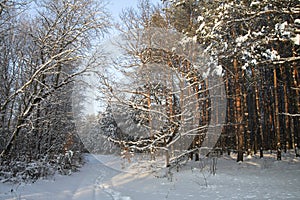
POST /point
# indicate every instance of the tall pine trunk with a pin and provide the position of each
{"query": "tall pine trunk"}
(259, 128)
(276, 116)
(284, 72)
(245, 111)
(238, 114)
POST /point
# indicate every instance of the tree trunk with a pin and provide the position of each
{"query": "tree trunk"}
(258, 124)
(284, 72)
(296, 121)
(246, 117)
(152, 156)
(276, 116)
(239, 118)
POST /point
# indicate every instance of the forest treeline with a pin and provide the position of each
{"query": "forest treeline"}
(257, 45)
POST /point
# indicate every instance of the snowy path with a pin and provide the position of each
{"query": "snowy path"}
(91, 183)
(101, 186)
(253, 179)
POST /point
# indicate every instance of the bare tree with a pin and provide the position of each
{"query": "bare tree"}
(43, 55)
(162, 104)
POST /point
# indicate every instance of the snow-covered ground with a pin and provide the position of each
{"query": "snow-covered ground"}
(253, 179)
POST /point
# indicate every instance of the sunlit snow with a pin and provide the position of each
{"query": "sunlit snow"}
(254, 178)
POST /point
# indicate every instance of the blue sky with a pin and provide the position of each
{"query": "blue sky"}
(116, 6)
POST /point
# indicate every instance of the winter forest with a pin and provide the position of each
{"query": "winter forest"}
(176, 83)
